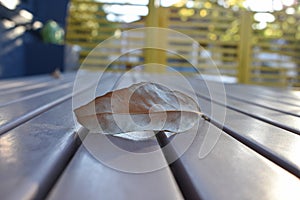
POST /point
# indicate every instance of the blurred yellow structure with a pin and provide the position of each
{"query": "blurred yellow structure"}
(244, 48)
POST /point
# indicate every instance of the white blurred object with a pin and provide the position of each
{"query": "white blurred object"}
(10, 4)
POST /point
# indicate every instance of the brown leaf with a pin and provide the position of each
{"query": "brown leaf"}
(141, 107)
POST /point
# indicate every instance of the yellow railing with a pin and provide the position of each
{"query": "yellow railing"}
(265, 57)
(88, 26)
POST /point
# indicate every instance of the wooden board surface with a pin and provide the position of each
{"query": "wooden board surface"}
(255, 154)
(19, 112)
(252, 136)
(34, 154)
(231, 171)
(283, 97)
(275, 143)
(89, 178)
(29, 84)
(244, 96)
(105, 182)
(285, 120)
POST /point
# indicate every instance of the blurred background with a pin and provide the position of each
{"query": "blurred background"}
(22, 48)
(252, 42)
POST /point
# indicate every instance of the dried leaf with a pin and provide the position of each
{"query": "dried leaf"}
(141, 107)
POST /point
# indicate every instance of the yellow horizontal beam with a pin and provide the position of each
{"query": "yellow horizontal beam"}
(193, 25)
(213, 8)
(71, 28)
(99, 12)
(279, 46)
(265, 68)
(104, 62)
(203, 66)
(196, 16)
(100, 3)
(72, 21)
(289, 38)
(269, 76)
(258, 51)
(214, 57)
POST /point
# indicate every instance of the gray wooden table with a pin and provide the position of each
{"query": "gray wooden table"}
(45, 155)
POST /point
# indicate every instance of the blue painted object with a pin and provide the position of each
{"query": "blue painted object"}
(26, 54)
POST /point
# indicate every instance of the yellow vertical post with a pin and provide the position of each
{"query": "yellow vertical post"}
(152, 18)
(245, 47)
(163, 37)
(155, 38)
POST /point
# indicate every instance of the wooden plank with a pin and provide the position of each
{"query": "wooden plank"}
(86, 177)
(274, 116)
(276, 144)
(277, 93)
(33, 83)
(241, 95)
(8, 84)
(20, 112)
(267, 83)
(270, 116)
(19, 83)
(25, 95)
(20, 94)
(34, 154)
(268, 94)
(230, 170)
